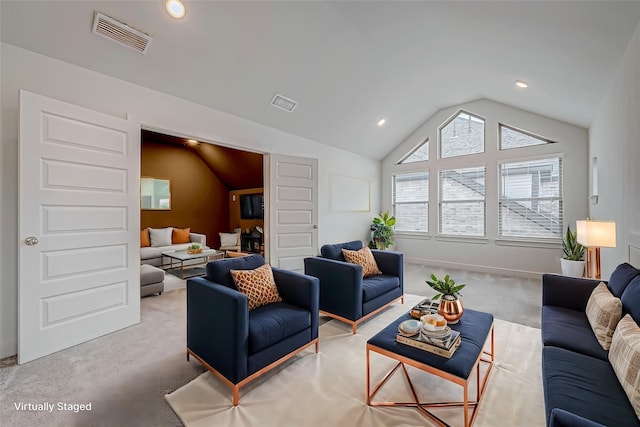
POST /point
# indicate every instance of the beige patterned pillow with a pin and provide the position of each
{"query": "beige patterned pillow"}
(365, 258)
(625, 359)
(603, 312)
(258, 285)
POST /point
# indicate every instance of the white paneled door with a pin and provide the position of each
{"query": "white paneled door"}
(293, 211)
(78, 225)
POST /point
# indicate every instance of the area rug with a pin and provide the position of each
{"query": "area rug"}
(329, 388)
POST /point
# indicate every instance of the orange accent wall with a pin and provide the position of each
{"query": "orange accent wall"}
(199, 199)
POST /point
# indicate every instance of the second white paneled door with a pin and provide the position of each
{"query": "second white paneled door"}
(293, 211)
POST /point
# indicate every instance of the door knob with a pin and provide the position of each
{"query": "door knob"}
(30, 241)
(315, 226)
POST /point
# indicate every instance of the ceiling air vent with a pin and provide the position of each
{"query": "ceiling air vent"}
(120, 33)
(283, 103)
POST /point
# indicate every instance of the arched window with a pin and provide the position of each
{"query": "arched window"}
(461, 135)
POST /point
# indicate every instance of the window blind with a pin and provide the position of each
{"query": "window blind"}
(411, 201)
(530, 203)
(462, 202)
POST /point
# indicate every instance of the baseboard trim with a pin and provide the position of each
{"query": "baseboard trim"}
(8, 348)
(476, 268)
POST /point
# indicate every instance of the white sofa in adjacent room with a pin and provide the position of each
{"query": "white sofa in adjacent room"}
(161, 240)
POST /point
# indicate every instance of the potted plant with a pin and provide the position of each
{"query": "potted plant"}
(450, 305)
(382, 231)
(572, 262)
(194, 248)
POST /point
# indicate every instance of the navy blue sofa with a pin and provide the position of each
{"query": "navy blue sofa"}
(347, 296)
(580, 386)
(238, 345)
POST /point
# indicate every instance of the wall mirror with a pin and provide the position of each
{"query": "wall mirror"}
(155, 193)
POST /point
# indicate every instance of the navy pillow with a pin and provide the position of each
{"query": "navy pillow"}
(335, 251)
(631, 300)
(620, 278)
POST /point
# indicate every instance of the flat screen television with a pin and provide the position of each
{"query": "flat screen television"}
(251, 206)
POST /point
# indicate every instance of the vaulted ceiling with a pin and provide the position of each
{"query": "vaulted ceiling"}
(236, 169)
(348, 63)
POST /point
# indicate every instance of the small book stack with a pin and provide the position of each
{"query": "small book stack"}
(443, 342)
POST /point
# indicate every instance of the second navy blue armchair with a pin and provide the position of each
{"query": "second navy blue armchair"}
(347, 296)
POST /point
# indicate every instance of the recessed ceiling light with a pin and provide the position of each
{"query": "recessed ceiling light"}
(522, 84)
(192, 142)
(175, 8)
(381, 122)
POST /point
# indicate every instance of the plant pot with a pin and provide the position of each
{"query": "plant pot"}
(451, 309)
(572, 268)
(194, 251)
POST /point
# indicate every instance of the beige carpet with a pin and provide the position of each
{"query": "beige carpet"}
(328, 388)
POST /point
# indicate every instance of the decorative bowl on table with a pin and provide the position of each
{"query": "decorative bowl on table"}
(433, 322)
(194, 249)
(409, 328)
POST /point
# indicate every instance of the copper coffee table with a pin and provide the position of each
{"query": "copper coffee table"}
(475, 327)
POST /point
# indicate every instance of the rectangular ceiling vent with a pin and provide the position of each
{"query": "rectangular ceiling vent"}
(283, 103)
(121, 33)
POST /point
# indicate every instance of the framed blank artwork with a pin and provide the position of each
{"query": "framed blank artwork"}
(349, 194)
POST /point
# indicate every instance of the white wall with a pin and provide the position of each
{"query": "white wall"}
(22, 69)
(614, 138)
(492, 254)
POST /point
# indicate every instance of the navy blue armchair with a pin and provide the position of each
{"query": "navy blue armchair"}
(238, 345)
(347, 296)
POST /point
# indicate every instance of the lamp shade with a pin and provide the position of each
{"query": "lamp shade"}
(600, 234)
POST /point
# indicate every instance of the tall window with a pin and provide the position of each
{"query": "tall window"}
(462, 202)
(531, 198)
(411, 201)
(418, 154)
(464, 134)
(511, 138)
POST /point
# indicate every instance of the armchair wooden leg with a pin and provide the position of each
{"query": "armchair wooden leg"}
(354, 328)
(187, 355)
(317, 346)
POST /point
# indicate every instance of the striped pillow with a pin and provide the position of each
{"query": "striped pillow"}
(625, 359)
(603, 312)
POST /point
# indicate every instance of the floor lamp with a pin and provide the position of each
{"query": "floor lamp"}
(595, 235)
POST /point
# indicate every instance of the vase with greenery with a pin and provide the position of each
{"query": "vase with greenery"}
(450, 305)
(572, 261)
(382, 231)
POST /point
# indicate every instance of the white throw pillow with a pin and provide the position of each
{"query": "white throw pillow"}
(160, 236)
(228, 239)
(625, 359)
(603, 312)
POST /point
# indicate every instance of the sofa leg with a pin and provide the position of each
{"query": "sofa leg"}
(317, 346)
(354, 328)
(187, 356)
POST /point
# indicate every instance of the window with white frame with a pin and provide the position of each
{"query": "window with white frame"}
(462, 135)
(530, 203)
(411, 201)
(512, 138)
(462, 202)
(418, 154)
